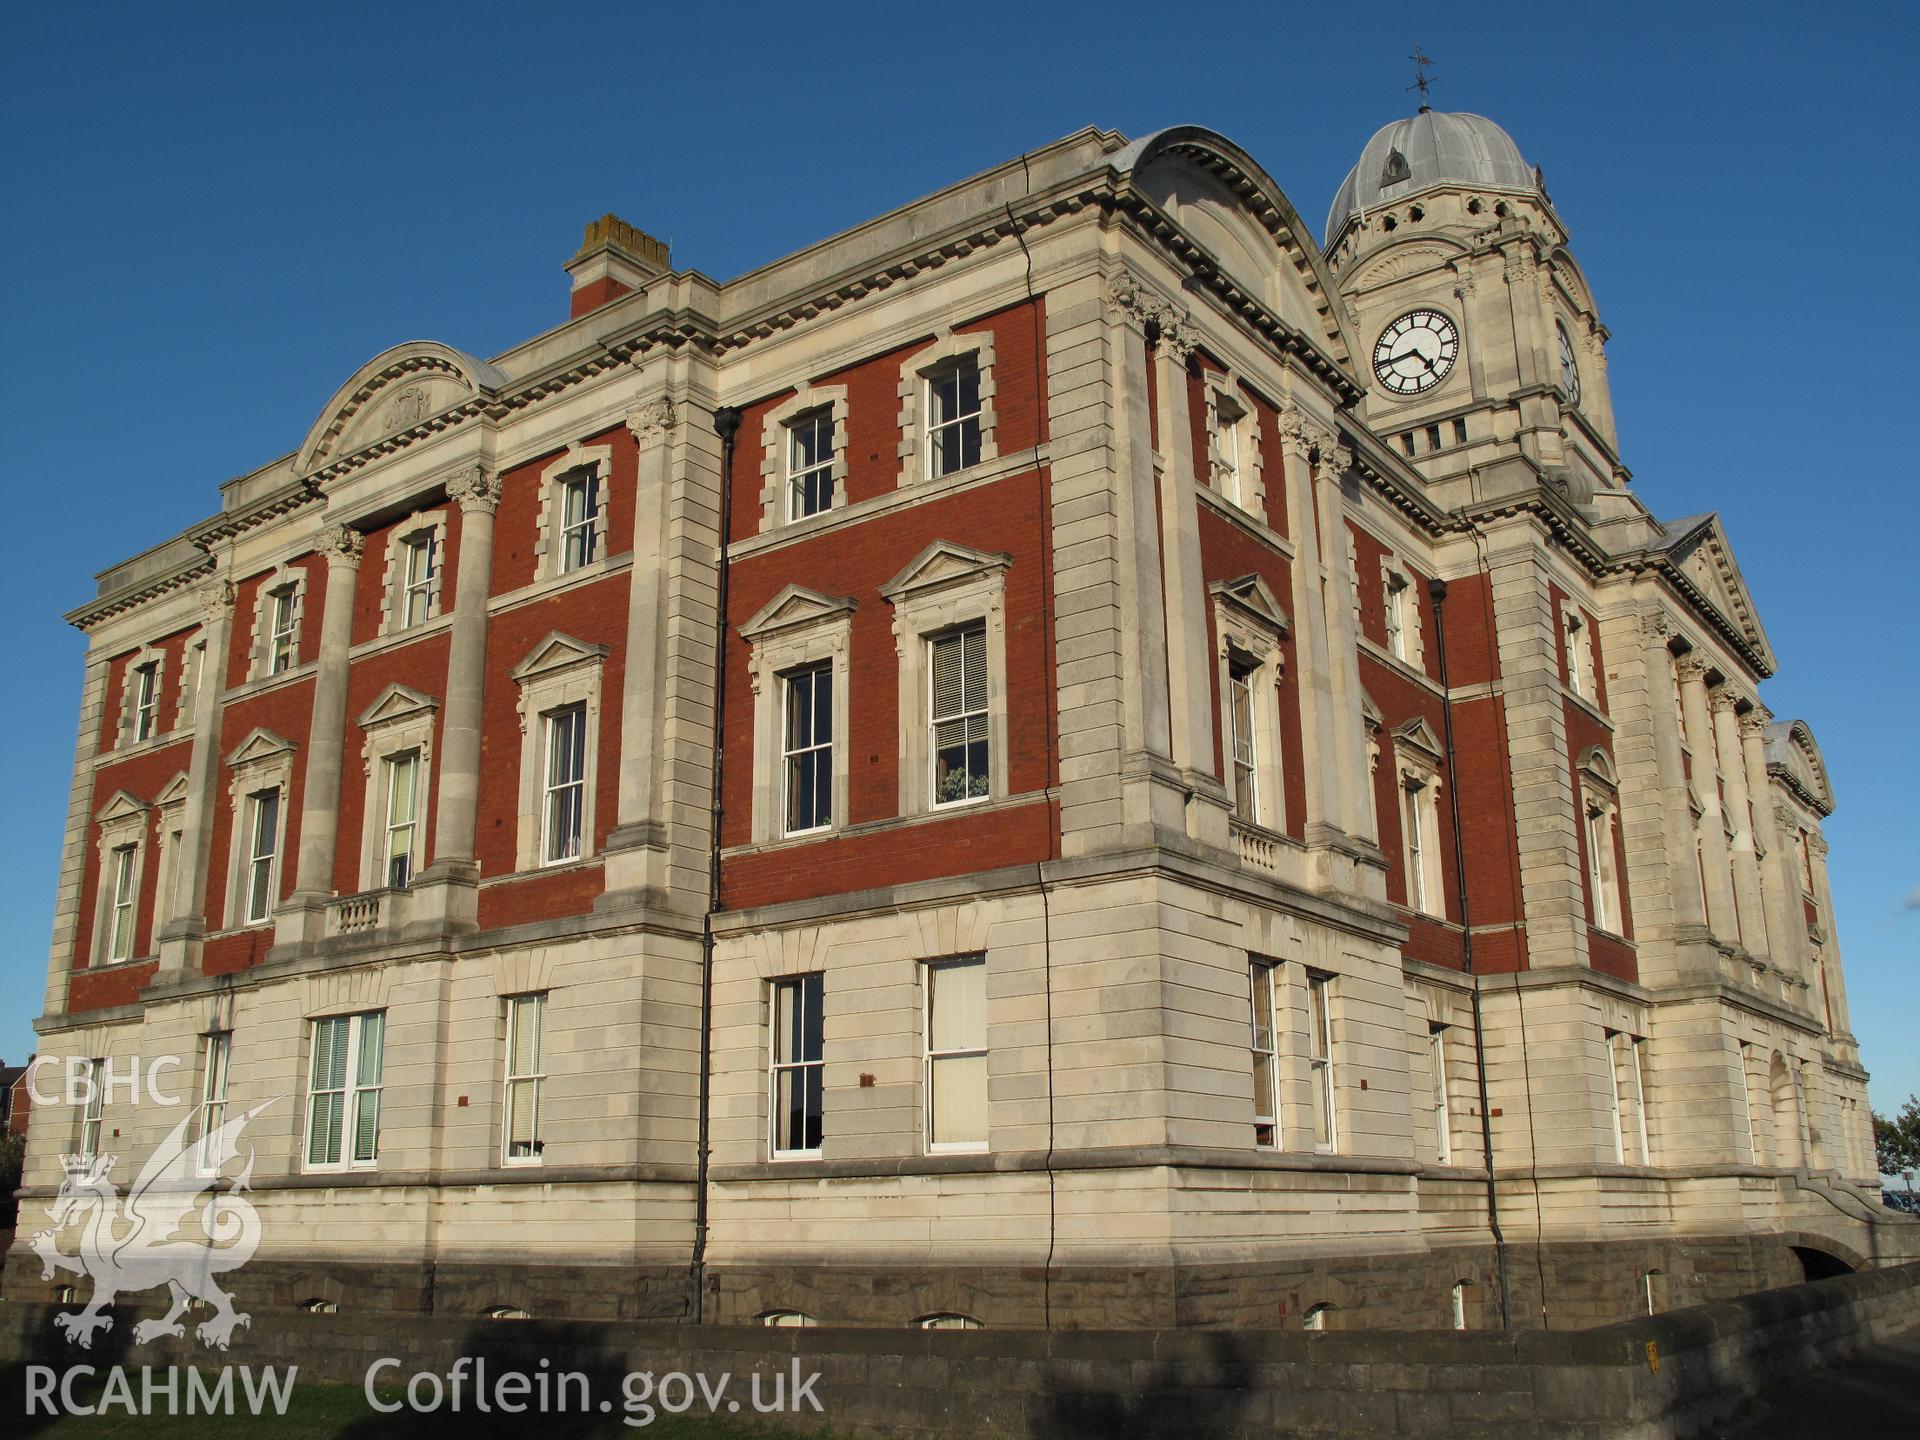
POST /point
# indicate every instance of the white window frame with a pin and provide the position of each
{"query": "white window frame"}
(932, 1058)
(124, 823)
(1599, 829)
(550, 547)
(812, 673)
(1627, 1086)
(1577, 633)
(93, 1110)
(535, 1078)
(776, 453)
(1743, 1056)
(1460, 1289)
(558, 673)
(776, 1067)
(216, 1057)
(1441, 1100)
(1249, 627)
(916, 403)
(966, 715)
(171, 807)
(1320, 1061)
(1416, 753)
(261, 762)
(1406, 641)
(399, 722)
(262, 848)
(350, 1090)
(1235, 462)
(1268, 1130)
(145, 667)
(124, 903)
(1242, 676)
(428, 529)
(289, 579)
(947, 587)
(796, 630)
(568, 720)
(146, 702)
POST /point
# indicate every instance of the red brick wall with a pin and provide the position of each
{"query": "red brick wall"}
(142, 776)
(1010, 515)
(517, 522)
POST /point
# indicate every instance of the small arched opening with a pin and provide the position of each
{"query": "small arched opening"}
(1818, 1264)
(784, 1319)
(1654, 1291)
(1320, 1316)
(1463, 1303)
(946, 1320)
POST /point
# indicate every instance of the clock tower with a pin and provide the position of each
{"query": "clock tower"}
(1484, 354)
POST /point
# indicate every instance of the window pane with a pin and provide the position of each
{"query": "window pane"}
(960, 1100)
(373, 1032)
(959, 1006)
(329, 1054)
(323, 1138)
(366, 1125)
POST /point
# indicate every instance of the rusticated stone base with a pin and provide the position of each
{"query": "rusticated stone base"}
(1584, 1285)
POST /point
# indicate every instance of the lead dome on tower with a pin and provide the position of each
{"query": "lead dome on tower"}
(1431, 148)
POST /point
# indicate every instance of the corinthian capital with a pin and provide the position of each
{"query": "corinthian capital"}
(341, 544)
(215, 601)
(1301, 434)
(1754, 723)
(474, 488)
(1722, 698)
(1692, 669)
(1335, 459)
(1655, 625)
(652, 420)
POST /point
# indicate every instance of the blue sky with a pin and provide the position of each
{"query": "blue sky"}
(214, 214)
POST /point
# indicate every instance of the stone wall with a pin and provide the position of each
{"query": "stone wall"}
(1669, 1375)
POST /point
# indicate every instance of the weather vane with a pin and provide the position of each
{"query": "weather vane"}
(1421, 61)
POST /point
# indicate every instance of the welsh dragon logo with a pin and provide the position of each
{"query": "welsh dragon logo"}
(152, 1236)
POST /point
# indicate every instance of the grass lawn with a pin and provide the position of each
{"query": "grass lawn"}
(322, 1411)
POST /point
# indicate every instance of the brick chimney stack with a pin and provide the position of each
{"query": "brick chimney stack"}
(615, 258)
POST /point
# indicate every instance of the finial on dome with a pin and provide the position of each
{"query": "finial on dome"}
(1421, 60)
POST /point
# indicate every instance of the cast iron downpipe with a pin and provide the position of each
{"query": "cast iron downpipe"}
(1437, 588)
(726, 424)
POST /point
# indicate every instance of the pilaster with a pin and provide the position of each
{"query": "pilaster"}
(1746, 865)
(179, 939)
(303, 915)
(1722, 920)
(446, 893)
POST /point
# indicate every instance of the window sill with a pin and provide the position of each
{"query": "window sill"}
(535, 872)
(1407, 668)
(985, 805)
(1245, 520)
(1592, 707)
(391, 639)
(548, 585)
(261, 684)
(147, 746)
(899, 498)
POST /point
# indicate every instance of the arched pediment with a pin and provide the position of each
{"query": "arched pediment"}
(1412, 256)
(1573, 282)
(421, 385)
(1229, 206)
(1794, 759)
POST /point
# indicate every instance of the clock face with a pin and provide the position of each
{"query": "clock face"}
(1416, 352)
(1569, 367)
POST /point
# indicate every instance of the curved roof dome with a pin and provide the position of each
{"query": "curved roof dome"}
(1433, 148)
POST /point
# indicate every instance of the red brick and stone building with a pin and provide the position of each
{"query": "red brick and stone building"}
(1231, 809)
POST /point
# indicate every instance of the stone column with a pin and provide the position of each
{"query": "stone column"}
(1721, 919)
(636, 850)
(1325, 814)
(1343, 673)
(1683, 871)
(1779, 887)
(1746, 864)
(447, 888)
(180, 937)
(303, 917)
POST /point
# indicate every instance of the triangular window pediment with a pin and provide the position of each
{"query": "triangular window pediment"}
(944, 563)
(793, 607)
(1370, 712)
(1420, 735)
(396, 702)
(174, 792)
(120, 806)
(557, 652)
(1252, 596)
(260, 744)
